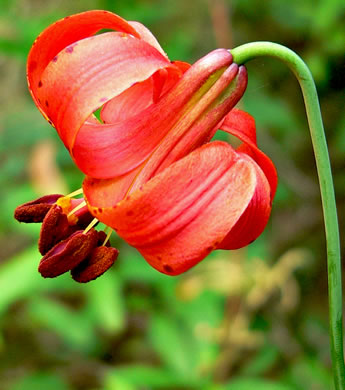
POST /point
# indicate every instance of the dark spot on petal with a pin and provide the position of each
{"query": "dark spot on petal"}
(159, 258)
(100, 210)
(47, 104)
(40, 84)
(167, 268)
(39, 100)
(69, 49)
(129, 213)
(209, 248)
(66, 17)
(50, 122)
(55, 59)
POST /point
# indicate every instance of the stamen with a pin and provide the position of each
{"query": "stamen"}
(108, 235)
(80, 206)
(75, 193)
(91, 225)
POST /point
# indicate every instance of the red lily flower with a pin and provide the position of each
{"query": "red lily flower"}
(152, 173)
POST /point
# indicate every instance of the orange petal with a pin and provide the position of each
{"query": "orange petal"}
(91, 72)
(65, 32)
(108, 192)
(242, 125)
(199, 124)
(253, 221)
(110, 150)
(129, 103)
(185, 212)
(147, 36)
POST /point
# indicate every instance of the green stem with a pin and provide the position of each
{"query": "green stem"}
(253, 50)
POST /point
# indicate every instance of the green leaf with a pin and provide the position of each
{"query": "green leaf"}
(257, 384)
(105, 302)
(309, 373)
(174, 345)
(114, 382)
(19, 277)
(74, 329)
(263, 361)
(40, 380)
(148, 376)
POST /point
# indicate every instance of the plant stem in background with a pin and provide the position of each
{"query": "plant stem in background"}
(254, 50)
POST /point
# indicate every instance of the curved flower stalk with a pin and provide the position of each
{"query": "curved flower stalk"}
(152, 172)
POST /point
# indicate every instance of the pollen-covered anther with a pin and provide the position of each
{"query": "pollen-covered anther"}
(68, 253)
(100, 260)
(55, 227)
(35, 210)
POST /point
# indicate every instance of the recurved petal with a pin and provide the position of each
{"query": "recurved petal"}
(129, 103)
(146, 35)
(183, 213)
(110, 150)
(87, 74)
(108, 192)
(200, 123)
(242, 125)
(254, 219)
(63, 33)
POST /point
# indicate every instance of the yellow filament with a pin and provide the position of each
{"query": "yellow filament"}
(108, 235)
(91, 225)
(80, 206)
(74, 193)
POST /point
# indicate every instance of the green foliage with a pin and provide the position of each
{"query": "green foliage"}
(240, 320)
(41, 380)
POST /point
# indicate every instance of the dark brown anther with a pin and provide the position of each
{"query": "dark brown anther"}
(100, 260)
(67, 254)
(55, 227)
(35, 210)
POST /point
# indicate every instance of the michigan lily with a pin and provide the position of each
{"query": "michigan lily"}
(140, 127)
(153, 173)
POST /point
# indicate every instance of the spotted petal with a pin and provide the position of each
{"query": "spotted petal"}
(63, 33)
(186, 211)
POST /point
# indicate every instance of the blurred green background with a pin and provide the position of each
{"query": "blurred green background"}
(249, 319)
